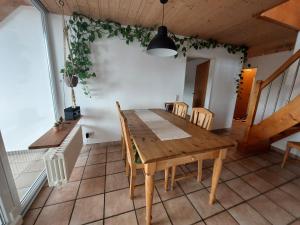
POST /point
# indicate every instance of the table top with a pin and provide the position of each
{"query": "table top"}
(152, 149)
(53, 138)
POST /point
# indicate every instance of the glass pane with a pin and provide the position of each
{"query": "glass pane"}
(25, 92)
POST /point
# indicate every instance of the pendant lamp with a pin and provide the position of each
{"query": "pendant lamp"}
(162, 45)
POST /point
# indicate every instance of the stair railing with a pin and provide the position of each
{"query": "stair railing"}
(260, 85)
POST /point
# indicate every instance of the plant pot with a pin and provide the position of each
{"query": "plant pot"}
(55, 129)
(71, 81)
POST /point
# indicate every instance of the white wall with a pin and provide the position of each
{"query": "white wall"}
(266, 65)
(189, 83)
(25, 95)
(126, 73)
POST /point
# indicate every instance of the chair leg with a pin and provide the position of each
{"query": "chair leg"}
(123, 148)
(200, 165)
(132, 182)
(173, 177)
(127, 167)
(166, 179)
(286, 155)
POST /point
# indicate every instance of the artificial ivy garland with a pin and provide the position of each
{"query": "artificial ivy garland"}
(84, 31)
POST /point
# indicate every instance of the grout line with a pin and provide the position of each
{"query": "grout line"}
(185, 194)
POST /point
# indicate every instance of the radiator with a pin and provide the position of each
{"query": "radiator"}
(60, 161)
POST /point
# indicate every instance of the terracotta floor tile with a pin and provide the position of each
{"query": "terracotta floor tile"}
(282, 172)
(160, 175)
(246, 215)
(76, 174)
(237, 168)
(273, 157)
(115, 167)
(208, 163)
(56, 214)
(192, 166)
(89, 187)
(223, 218)
(98, 150)
(227, 174)
(35, 166)
(271, 177)
(81, 161)
(140, 199)
(123, 219)
(260, 161)
(206, 177)
(285, 201)
(87, 210)
(114, 156)
(114, 148)
(111, 199)
(190, 184)
(226, 196)
(94, 171)
(250, 164)
(293, 166)
(95, 159)
(242, 188)
(159, 215)
(297, 222)
(181, 211)
(169, 194)
(64, 193)
(199, 223)
(100, 222)
(297, 181)
(271, 211)
(140, 179)
(257, 182)
(200, 201)
(41, 198)
(116, 181)
(31, 216)
(292, 189)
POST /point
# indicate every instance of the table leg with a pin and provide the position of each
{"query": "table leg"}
(149, 188)
(216, 175)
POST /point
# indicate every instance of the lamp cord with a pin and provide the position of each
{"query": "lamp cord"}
(163, 15)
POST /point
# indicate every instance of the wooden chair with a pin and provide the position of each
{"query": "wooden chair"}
(133, 160)
(122, 138)
(180, 109)
(289, 146)
(203, 118)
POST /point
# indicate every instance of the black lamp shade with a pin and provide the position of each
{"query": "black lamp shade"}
(161, 44)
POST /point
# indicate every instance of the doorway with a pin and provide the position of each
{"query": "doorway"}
(196, 79)
(242, 101)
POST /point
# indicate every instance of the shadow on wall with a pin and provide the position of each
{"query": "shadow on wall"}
(101, 84)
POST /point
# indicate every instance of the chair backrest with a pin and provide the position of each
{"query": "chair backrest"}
(119, 113)
(180, 109)
(202, 117)
(127, 138)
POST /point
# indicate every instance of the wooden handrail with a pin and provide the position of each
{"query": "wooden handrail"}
(281, 69)
(257, 89)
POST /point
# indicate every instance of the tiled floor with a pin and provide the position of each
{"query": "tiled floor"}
(252, 190)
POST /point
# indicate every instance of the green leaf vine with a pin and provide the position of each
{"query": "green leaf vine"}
(84, 30)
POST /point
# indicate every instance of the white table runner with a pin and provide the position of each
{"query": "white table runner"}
(161, 127)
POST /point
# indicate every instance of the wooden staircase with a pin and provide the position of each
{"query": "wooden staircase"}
(281, 123)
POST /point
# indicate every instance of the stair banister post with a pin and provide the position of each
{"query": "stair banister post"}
(252, 108)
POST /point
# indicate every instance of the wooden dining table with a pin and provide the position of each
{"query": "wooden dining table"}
(157, 155)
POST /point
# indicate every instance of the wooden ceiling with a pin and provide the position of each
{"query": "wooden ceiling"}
(8, 6)
(228, 21)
